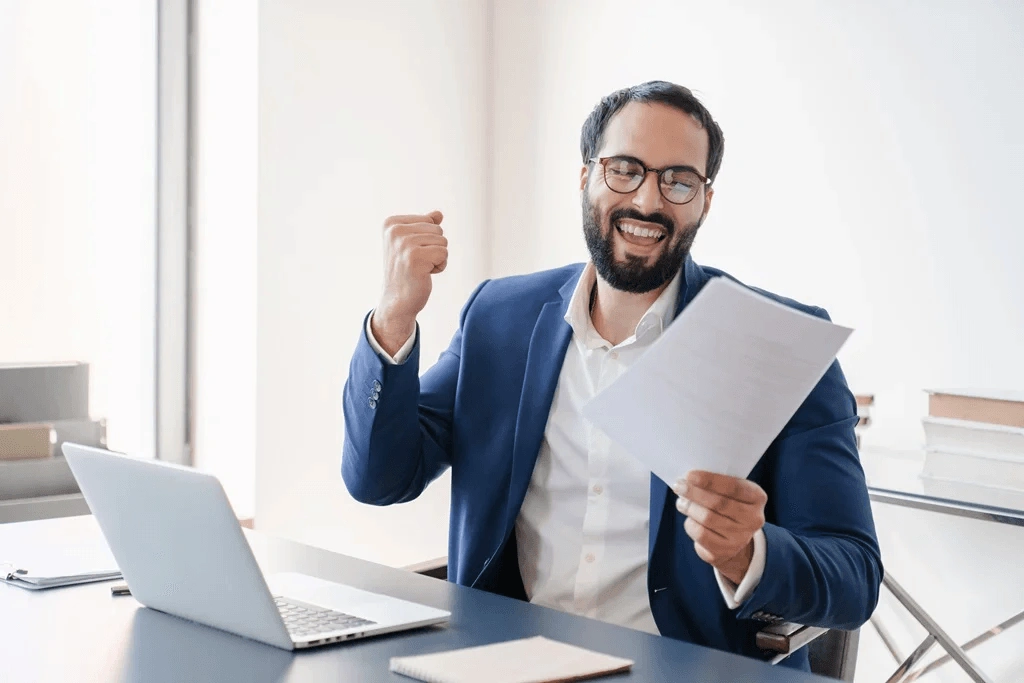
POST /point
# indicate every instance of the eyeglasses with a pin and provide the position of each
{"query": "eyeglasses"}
(677, 184)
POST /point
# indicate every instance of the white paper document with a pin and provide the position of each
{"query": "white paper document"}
(72, 561)
(719, 385)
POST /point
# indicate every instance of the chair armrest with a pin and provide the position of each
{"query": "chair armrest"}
(436, 568)
(786, 638)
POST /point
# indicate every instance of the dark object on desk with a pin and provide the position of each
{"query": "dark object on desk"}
(120, 589)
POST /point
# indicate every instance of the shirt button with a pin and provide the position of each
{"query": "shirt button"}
(598, 489)
(590, 557)
(614, 355)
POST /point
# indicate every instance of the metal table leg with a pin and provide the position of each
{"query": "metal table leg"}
(971, 644)
(916, 656)
(887, 639)
(935, 631)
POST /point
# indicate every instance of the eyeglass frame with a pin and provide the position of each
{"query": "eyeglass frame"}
(604, 175)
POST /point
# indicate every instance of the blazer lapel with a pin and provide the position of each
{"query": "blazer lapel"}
(694, 279)
(551, 335)
(659, 493)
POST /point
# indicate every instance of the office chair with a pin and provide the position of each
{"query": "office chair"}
(832, 653)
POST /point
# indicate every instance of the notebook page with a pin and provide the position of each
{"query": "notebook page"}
(529, 660)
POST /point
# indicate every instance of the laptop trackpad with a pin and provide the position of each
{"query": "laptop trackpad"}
(382, 609)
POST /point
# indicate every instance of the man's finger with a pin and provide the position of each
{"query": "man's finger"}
(425, 239)
(434, 217)
(741, 513)
(720, 524)
(743, 490)
(701, 534)
(710, 546)
(435, 256)
(418, 228)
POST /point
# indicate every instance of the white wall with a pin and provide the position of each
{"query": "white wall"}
(365, 110)
(871, 166)
(77, 199)
(225, 116)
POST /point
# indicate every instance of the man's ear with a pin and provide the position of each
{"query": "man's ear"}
(708, 195)
(584, 176)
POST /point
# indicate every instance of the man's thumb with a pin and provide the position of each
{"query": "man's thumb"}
(436, 217)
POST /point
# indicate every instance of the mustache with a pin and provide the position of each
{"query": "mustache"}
(659, 218)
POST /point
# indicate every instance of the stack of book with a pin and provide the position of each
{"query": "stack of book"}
(864, 403)
(41, 407)
(975, 437)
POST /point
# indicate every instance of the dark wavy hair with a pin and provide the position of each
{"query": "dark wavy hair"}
(653, 91)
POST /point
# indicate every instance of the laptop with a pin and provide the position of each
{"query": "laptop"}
(181, 551)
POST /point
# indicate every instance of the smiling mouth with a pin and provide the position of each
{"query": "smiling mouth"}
(640, 235)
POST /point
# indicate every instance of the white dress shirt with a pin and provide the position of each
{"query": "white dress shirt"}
(582, 531)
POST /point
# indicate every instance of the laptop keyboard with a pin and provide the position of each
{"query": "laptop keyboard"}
(306, 620)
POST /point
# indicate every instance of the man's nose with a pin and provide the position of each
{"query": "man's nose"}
(647, 198)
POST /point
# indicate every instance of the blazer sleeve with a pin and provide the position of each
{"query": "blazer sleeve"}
(823, 566)
(398, 425)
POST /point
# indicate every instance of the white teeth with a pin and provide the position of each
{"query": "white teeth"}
(638, 231)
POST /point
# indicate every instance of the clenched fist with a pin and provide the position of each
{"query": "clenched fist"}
(415, 249)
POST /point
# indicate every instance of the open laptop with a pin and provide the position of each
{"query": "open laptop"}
(181, 551)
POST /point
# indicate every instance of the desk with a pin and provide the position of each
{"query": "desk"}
(83, 634)
(894, 478)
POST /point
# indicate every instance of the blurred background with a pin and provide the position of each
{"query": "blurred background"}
(192, 193)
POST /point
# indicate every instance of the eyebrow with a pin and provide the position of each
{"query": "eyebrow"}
(630, 157)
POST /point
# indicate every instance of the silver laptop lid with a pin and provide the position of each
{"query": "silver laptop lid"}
(177, 542)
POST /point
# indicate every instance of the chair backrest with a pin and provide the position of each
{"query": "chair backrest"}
(834, 654)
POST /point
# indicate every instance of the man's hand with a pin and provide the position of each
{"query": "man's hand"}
(722, 515)
(415, 249)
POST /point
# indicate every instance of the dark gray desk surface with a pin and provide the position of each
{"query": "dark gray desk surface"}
(83, 634)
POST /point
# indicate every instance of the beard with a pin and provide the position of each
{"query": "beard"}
(633, 274)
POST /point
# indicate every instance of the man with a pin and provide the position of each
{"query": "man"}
(543, 506)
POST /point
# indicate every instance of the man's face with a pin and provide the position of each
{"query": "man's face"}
(660, 136)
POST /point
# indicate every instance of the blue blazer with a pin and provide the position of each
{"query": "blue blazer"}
(482, 410)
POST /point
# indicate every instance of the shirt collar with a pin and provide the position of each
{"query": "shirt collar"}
(651, 325)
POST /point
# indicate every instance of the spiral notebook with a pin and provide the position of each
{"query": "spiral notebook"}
(530, 660)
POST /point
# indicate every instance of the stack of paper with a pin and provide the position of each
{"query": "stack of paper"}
(976, 437)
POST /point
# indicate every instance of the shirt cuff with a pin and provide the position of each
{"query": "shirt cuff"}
(736, 595)
(401, 355)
